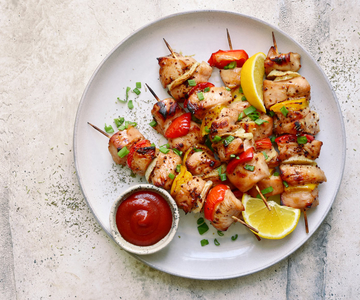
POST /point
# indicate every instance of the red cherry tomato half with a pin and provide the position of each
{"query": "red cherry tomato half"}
(138, 145)
(215, 196)
(179, 127)
(222, 58)
(263, 144)
(244, 157)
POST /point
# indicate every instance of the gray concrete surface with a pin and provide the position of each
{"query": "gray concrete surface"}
(51, 246)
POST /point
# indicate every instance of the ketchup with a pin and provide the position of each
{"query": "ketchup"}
(144, 218)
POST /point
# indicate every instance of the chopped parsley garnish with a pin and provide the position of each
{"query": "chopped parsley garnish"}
(109, 129)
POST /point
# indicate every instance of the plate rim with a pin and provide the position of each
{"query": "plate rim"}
(274, 28)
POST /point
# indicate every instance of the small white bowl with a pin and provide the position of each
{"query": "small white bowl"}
(142, 250)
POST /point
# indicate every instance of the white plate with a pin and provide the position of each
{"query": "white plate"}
(134, 59)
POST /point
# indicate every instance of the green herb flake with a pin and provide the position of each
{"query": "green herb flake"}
(284, 111)
(207, 89)
(272, 139)
(216, 139)
(192, 82)
(220, 233)
(203, 228)
(109, 129)
(200, 96)
(249, 110)
(276, 174)
(204, 242)
(207, 130)
(138, 85)
(241, 90)
(302, 140)
(228, 140)
(153, 123)
(285, 184)
(228, 89)
(216, 242)
(200, 221)
(267, 190)
(178, 152)
(119, 121)
(243, 99)
(130, 104)
(123, 101)
(265, 155)
(122, 127)
(260, 121)
(128, 89)
(241, 116)
(223, 177)
(249, 168)
(231, 65)
(137, 91)
(234, 237)
(123, 152)
(171, 176)
(164, 150)
(178, 168)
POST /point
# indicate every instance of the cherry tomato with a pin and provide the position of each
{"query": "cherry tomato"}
(138, 145)
(179, 127)
(222, 58)
(215, 196)
(244, 157)
(263, 144)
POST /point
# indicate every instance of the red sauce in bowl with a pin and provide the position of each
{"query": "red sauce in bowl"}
(144, 218)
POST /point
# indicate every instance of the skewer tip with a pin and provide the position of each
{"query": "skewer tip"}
(170, 49)
(152, 92)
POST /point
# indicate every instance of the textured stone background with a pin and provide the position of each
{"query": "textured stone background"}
(51, 246)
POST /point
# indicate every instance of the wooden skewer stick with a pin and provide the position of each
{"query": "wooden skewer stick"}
(101, 131)
(306, 221)
(229, 39)
(262, 197)
(245, 224)
(274, 41)
(170, 49)
(152, 92)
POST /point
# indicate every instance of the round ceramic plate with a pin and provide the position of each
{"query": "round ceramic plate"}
(134, 60)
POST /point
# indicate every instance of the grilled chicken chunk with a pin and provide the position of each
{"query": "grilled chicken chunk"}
(273, 181)
(201, 162)
(125, 138)
(231, 77)
(201, 74)
(308, 124)
(193, 137)
(225, 122)
(296, 175)
(279, 91)
(164, 112)
(259, 131)
(188, 197)
(165, 165)
(282, 62)
(271, 157)
(244, 179)
(236, 147)
(310, 150)
(140, 157)
(172, 68)
(216, 96)
(302, 199)
(225, 210)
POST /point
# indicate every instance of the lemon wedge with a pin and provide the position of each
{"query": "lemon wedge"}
(274, 224)
(252, 76)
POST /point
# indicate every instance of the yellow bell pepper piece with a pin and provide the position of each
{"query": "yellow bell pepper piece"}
(293, 105)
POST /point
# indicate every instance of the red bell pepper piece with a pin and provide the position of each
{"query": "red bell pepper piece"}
(222, 58)
(244, 157)
(179, 127)
(263, 144)
(288, 138)
(214, 197)
(138, 145)
(197, 88)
